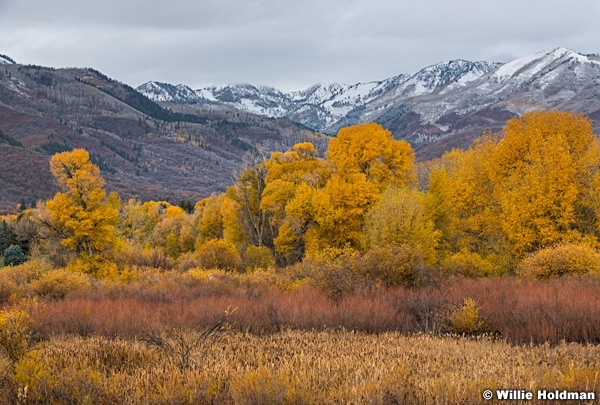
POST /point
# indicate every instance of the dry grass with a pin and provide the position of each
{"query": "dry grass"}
(301, 367)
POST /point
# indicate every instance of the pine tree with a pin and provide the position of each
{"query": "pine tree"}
(7, 236)
(14, 256)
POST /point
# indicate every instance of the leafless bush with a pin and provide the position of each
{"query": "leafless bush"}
(181, 345)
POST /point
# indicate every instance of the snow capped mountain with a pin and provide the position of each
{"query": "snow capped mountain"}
(323, 106)
(260, 100)
(559, 79)
(451, 99)
(442, 77)
(433, 80)
(530, 65)
(5, 60)
(165, 92)
(541, 80)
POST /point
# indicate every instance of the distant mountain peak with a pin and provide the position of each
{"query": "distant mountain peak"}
(446, 75)
(6, 60)
(322, 105)
(536, 62)
(165, 92)
(438, 102)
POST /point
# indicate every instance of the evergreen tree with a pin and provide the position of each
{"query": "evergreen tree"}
(7, 236)
(187, 206)
(14, 256)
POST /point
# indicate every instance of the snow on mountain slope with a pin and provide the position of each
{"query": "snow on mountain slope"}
(540, 80)
(434, 102)
(318, 107)
(5, 60)
(530, 65)
(432, 82)
(261, 100)
(442, 77)
(165, 92)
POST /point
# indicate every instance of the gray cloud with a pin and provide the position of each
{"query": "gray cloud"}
(289, 45)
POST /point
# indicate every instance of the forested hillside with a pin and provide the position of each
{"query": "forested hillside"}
(142, 149)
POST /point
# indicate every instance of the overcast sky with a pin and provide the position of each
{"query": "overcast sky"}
(286, 44)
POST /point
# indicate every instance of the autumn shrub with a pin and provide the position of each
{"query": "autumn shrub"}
(393, 265)
(469, 264)
(258, 257)
(16, 281)
(466, 319)
(534, 311)
(8, 288)
(213, 281)
(560, 260)
(9, 390)
(218, 254)
(427, 307)
(60, 282)
(184, 346)
(96, 266)
(144, 257)
(261, 279)
(17, 328)
(187, 261)
(331, 270)
(531, 310)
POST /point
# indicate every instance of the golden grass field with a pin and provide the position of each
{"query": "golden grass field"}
(295, 367)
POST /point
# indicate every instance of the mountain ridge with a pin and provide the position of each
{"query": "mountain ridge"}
(443, 105)
(330, 101)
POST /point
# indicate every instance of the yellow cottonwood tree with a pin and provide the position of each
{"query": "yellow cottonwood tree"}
(366, 161)
(291, 175)
(209, 218)
(543, 168)
(246, 195)
(84, 215)
(176, 232)
(401, 217)
(337, 212)
(537, 186)
(136, 225)
(462, 201)
(369, 149)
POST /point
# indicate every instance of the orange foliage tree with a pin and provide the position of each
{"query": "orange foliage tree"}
(366, 160)
(543, 169)
(84, 213)
(533, 188)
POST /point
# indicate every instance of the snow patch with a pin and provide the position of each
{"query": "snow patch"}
(509, 69)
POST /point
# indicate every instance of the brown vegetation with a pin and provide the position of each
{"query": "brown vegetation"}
(520, 312)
